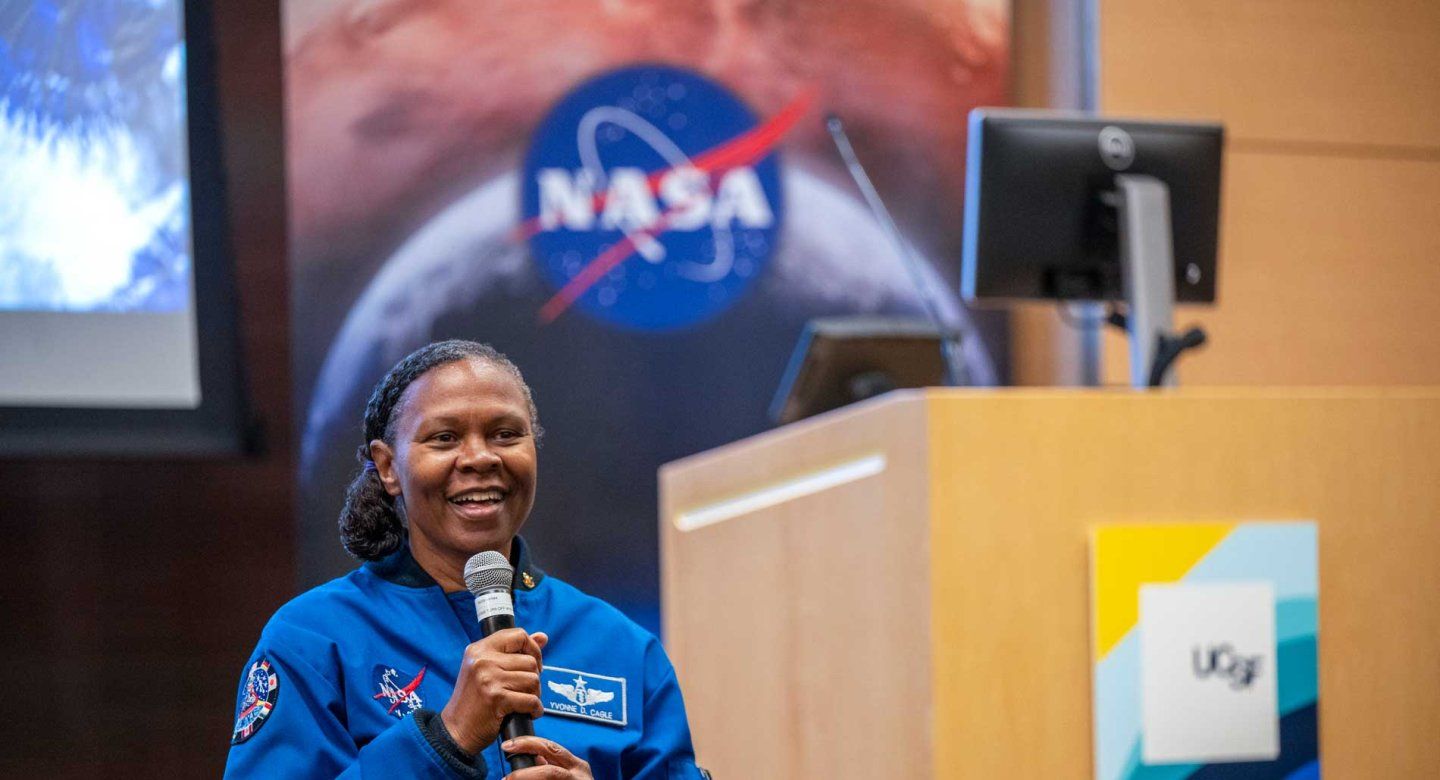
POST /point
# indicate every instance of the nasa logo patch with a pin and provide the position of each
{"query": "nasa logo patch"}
(399, 692)
(652, 198)
(257, 700)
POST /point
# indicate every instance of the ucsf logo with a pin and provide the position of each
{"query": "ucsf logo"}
(1223, 661)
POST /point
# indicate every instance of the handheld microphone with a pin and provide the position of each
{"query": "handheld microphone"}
(488, 576)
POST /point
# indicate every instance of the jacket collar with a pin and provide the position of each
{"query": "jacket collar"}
(401, 568)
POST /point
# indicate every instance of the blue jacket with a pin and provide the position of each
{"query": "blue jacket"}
(348, 680)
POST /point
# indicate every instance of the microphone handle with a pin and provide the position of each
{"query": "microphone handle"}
(493, 623)
(515, 724)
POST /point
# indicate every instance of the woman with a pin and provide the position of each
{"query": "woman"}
(382, 673)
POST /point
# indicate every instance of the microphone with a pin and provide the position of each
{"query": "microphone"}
(488, 576)
(950, 354)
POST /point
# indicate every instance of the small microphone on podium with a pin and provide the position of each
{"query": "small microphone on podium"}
(488, 576)
(950, 348)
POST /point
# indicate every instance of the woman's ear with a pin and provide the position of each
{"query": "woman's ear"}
(384, 458)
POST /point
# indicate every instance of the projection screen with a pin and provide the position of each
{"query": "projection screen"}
(111, 231)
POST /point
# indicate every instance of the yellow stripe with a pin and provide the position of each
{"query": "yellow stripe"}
(1128, 556)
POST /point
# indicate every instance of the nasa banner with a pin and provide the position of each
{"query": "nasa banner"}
(637, 202)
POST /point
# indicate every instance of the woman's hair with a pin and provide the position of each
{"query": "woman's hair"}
(371, 525)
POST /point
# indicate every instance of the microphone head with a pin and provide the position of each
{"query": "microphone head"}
(486, 571)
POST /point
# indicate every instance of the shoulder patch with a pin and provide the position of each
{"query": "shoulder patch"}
(257, 700)
(585, 695)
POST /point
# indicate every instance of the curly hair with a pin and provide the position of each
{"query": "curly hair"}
(372, 525)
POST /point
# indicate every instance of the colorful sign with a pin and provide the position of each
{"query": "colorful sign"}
(1204, 645)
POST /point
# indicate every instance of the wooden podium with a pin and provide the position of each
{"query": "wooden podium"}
(900, 589)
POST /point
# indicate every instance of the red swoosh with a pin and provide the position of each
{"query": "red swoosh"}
(741, 150)
(404, 693)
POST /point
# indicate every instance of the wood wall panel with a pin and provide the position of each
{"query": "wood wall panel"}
(1333, 71)
(1330, 274)
(1328, 236)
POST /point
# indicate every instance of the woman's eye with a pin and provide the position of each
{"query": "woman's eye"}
(444, 438)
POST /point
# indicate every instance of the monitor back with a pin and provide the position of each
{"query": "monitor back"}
(1037, 224)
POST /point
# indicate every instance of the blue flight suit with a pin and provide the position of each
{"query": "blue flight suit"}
(349, 678)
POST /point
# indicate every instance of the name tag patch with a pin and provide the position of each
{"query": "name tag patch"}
(585, 695)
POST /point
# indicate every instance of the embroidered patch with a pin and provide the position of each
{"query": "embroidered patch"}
(584, 695)
(399, 691)
(257, 700)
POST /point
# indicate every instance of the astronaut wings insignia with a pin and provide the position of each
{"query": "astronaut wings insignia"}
(580, 692)
(585, 695)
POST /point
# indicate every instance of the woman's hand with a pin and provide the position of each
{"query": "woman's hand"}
(499, 675)
(553, 762)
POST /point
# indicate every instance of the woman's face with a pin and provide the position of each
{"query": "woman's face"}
(463, 460)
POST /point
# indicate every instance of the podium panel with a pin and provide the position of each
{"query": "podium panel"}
(900, 589)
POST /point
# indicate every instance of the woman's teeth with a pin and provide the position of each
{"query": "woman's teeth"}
(492, 497)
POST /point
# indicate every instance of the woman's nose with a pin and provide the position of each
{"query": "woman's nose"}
(477, 455)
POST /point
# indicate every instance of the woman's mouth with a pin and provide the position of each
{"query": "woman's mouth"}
(478, 502)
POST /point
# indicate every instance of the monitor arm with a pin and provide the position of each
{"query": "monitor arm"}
(1147, 268)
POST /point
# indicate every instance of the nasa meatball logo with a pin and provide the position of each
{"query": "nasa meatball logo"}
(398, 692)
(652, 198)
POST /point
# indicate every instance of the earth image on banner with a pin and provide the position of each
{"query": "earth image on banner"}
(651, 199)
(417, 134)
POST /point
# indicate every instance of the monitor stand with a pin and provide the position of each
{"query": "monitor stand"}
(1147, 268)
(1147, 271)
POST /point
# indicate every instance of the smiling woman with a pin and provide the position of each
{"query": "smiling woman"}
(371, 524)
(448, 470)
(462, 457)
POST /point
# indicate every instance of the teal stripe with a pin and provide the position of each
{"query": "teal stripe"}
(1295, 618)
(1299, 674)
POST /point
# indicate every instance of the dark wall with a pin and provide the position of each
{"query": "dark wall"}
(134, 589)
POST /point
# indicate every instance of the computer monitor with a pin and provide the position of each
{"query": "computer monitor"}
(841, 360)
(1073, 207)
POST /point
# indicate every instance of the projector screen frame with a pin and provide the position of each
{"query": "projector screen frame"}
(221, 425)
